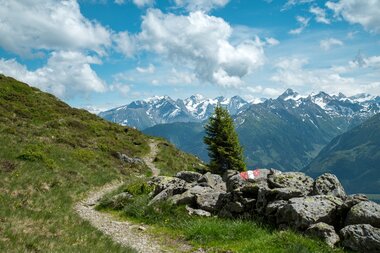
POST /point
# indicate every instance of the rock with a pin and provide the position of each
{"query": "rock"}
(186, 198)
(189, 176)
(365, 212)
(300, 213)
(295, 180)
(161, 183)
(272, 208)
(267, 195)
(210, 201)
(214, 181)
(354, 199)
(198, 212)
(361, 237)
(328, 184)
(325, 232)
(162, 196)
(233, 180)
(127, 159)
(120, 200)
(234, 207)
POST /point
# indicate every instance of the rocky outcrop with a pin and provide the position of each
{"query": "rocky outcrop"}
(366, 212)
(328, 184)
(325, 232)
(317, 208)
(127, 159)
(361, 237)
(300, 213)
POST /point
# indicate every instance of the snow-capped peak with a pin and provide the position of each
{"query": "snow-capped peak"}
(362, 97)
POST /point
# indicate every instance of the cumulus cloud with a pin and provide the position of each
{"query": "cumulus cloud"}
(150, 69)
(200, 42)
(66, 74)
(320, 14)
(292, 72)
(124, 43)
(143, 3)
(365, 13)
(290, 3)
(201, 5)
(119, 2)
(268, 91)
(272, 41)
(328, 43)
(48, 25)
(303, 23)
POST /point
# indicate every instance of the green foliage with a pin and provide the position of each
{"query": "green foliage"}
(223, 144)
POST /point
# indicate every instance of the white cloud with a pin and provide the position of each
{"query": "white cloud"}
(290, 3)
(365, 62)
(320, 14)
(328, 43)
(267, 91)
(365, 13)
(272, 41)
(66, 74)
(294, 73)
(150, 69)
(125, 43)
(143, 3)
(181, 77)
(200, 42)
(303, 23)
(202, 5)
(122, 89)
(120, 2)
(27, 26)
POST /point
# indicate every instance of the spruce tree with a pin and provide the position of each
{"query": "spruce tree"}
(223, 144)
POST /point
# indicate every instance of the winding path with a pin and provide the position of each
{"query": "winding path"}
(125, 233)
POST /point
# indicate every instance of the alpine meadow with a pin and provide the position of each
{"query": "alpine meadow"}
(190, 126)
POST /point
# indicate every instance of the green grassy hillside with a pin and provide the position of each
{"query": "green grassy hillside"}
(50, 155)
(354, 157)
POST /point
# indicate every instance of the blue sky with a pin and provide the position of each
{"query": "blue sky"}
(104, 53)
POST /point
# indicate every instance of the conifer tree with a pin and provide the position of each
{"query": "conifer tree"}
(223, 144)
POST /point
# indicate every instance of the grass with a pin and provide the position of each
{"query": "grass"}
(214, 234)
(50, 156)
(171, 160)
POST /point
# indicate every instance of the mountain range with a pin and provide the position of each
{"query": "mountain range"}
(354, 157)
(284, 133)
(160, 110)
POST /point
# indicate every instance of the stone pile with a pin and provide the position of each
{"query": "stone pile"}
(319, 208)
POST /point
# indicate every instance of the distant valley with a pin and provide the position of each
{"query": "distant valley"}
(286, 133)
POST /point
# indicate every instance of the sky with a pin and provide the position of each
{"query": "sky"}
(99, 54)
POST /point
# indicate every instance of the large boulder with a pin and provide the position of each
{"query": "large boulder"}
(162, 196)
(361, 237)
(272, 208)
(295, 180)
(189, 197)
(214, 181)
(210, 201)
(189, 176)
(300, 213)
(266, 195)
(365, 212)
(328, 184)
(161, 183)
(325, 232)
